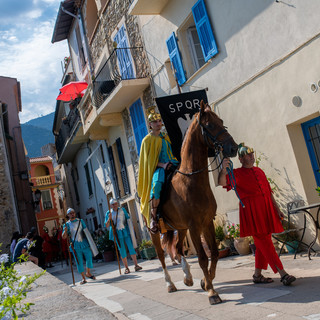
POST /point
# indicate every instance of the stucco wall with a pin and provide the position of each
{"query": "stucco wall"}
(8, 213)
(250, 35)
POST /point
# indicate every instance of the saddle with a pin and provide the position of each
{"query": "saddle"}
(164, 194)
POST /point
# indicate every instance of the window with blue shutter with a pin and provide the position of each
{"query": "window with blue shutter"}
(311, 132)
(204, 29)
(138, 123)
(175, 58)
(124, 54)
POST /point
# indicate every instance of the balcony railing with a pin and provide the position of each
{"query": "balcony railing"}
(66, 129)
(43, 180)
(122, 64)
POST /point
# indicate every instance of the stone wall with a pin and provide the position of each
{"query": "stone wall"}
(7, 212)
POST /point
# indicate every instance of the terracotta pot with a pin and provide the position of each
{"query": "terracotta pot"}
(224, 252)
(242, 246)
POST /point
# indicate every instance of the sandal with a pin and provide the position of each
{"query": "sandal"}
(137, 268)
(261, 279)
(127, 271)
(91, 277)
(83, 281)
(287, 279)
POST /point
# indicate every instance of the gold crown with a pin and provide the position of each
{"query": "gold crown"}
(153, 115)
(243, 149)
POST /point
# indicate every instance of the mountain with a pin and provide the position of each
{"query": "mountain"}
(36, 133)
(45, 122)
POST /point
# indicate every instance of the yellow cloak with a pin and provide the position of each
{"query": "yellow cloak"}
(149, 158)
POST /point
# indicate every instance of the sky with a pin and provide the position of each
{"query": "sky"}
(27, 54)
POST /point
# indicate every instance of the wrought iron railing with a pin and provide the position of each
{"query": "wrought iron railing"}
(122, 64)
(66, 129)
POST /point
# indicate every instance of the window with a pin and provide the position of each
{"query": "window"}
(46, 200)
(138, 123)
(119, 169)
(73, 171)
(124, 55)
(196, 41)
(86, 168)
(311, 132)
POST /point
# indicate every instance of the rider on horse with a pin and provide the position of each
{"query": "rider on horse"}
(155, 157)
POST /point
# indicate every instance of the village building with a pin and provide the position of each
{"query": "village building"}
(257, 61)
(49, 206)
(16, 199)
(98, 142)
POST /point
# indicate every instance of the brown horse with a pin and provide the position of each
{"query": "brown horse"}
(191, 203)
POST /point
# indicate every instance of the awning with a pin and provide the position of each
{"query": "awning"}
(63, 21)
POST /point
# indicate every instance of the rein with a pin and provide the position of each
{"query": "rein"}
(217, 147)
(233, 182)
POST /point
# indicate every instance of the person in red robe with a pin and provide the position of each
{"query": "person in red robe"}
(260, 215)
(47, 247)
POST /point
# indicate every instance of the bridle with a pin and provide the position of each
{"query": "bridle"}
(212, 143)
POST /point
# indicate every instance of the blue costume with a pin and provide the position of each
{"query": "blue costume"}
(158, 177)
(80, 243)
(119, 219)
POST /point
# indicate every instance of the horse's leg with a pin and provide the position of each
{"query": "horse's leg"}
(157, 243)
(188, 281)
(209, 235)
(203, 262)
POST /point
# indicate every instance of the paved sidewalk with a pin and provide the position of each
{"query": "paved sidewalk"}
(143, 295)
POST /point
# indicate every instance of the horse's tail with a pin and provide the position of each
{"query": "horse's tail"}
(167, 242)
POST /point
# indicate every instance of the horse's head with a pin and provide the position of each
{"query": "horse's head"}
(215, 133)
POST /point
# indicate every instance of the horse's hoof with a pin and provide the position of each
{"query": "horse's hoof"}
(188, 282)
(172, 288)
(202, 285)
(215, 299)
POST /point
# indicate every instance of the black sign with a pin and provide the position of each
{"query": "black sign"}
(177, 112)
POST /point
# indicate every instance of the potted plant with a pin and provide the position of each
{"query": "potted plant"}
(147, 250)
(240, 244)
(105, 247)
(220, 236)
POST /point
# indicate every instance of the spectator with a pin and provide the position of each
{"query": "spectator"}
(21, 250)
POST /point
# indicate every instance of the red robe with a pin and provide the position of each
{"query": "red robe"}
(259, 216)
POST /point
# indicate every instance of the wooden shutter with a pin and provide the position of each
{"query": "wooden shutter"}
(113, 173)
(204, 29)
(175, 58)
(124, 54)
(123, 168)
(138, 123)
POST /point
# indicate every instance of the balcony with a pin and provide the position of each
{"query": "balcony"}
(70, 137)
(44, 180)
(147, 7)
(120, 81)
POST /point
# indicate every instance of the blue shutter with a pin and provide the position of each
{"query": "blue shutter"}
(124, 55)
(138, 123)
(175, 58)
(205, 33)
(311, 132)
